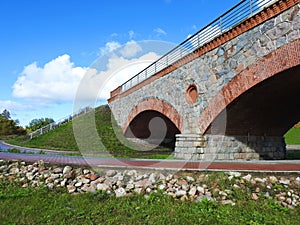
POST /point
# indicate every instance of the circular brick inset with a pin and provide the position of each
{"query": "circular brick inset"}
(191, 94)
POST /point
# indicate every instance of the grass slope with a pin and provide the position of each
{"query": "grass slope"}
(292, 137)
(108, 132)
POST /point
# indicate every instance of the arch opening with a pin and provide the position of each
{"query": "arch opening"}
(260, 117)
(270, 108)
(163, 131)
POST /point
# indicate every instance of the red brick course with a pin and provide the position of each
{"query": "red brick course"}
(156, 105)
(284, 58)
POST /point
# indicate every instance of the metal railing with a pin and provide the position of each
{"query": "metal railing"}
(231, 18)
(58, 123)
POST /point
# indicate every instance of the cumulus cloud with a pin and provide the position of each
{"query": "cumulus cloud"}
(99, 84)
(160, 31)
(60, 81)
(55, 82)
(109, 47)
(130, 49)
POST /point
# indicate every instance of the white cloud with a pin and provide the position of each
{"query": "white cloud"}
(60, 81)
(13, 106)
(160, 31)
(98, 85)
(109, 47)
(131, 34)
(55, 82)
(130, 49)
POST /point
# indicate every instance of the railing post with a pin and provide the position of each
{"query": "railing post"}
(251, 11)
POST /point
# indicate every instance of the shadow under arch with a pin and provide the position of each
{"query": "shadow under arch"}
(169, 123)
(139, 128)
(270, 108)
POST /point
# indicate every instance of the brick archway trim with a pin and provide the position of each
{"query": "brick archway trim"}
(284, 58)
(157, 105)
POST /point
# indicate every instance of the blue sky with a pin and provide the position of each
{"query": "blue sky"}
(46, 45)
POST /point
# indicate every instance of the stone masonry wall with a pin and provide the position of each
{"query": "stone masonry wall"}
(213, 70)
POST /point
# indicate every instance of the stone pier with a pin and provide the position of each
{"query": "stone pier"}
(219, 147)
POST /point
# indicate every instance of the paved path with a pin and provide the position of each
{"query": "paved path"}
(261, 166)
(56, 157)
(5, 146)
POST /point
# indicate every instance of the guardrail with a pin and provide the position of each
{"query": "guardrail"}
(58, 123)
(231, 18)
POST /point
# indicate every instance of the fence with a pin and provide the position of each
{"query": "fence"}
(58, 123)
(228, 20)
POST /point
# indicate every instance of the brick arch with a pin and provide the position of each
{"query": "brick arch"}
(158, 105)
(282, 59)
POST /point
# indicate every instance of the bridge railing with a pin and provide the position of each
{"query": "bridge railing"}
(228, 20)
(58, 123)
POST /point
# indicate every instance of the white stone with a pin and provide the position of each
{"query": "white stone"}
(67, 169)
(130, 186)
(102, 187)
(180, 193)
(63, 182)
(234, 174)
(190, 179)
(161, 187)
(247, 177)
(193, 191)
(152, 178)
(85, 171)
(57, 170)
(14, 170)
(120, 192)
(71, 188)
(78, 184)
(111, 173)
(201, 189)
(273, 179)
(284, 181)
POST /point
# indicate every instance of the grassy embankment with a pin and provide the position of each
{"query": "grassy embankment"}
(62, 138)
(43, 206)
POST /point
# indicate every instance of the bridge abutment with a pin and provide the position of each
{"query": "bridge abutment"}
(221, 147)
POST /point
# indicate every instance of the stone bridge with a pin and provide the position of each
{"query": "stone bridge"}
(233, 96)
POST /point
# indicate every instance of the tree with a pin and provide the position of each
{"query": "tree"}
(9, 126)
(36, 124)
(5, 114)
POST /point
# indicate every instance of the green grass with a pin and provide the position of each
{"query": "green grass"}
(42, 206)
(108, 132)
(292, 137)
